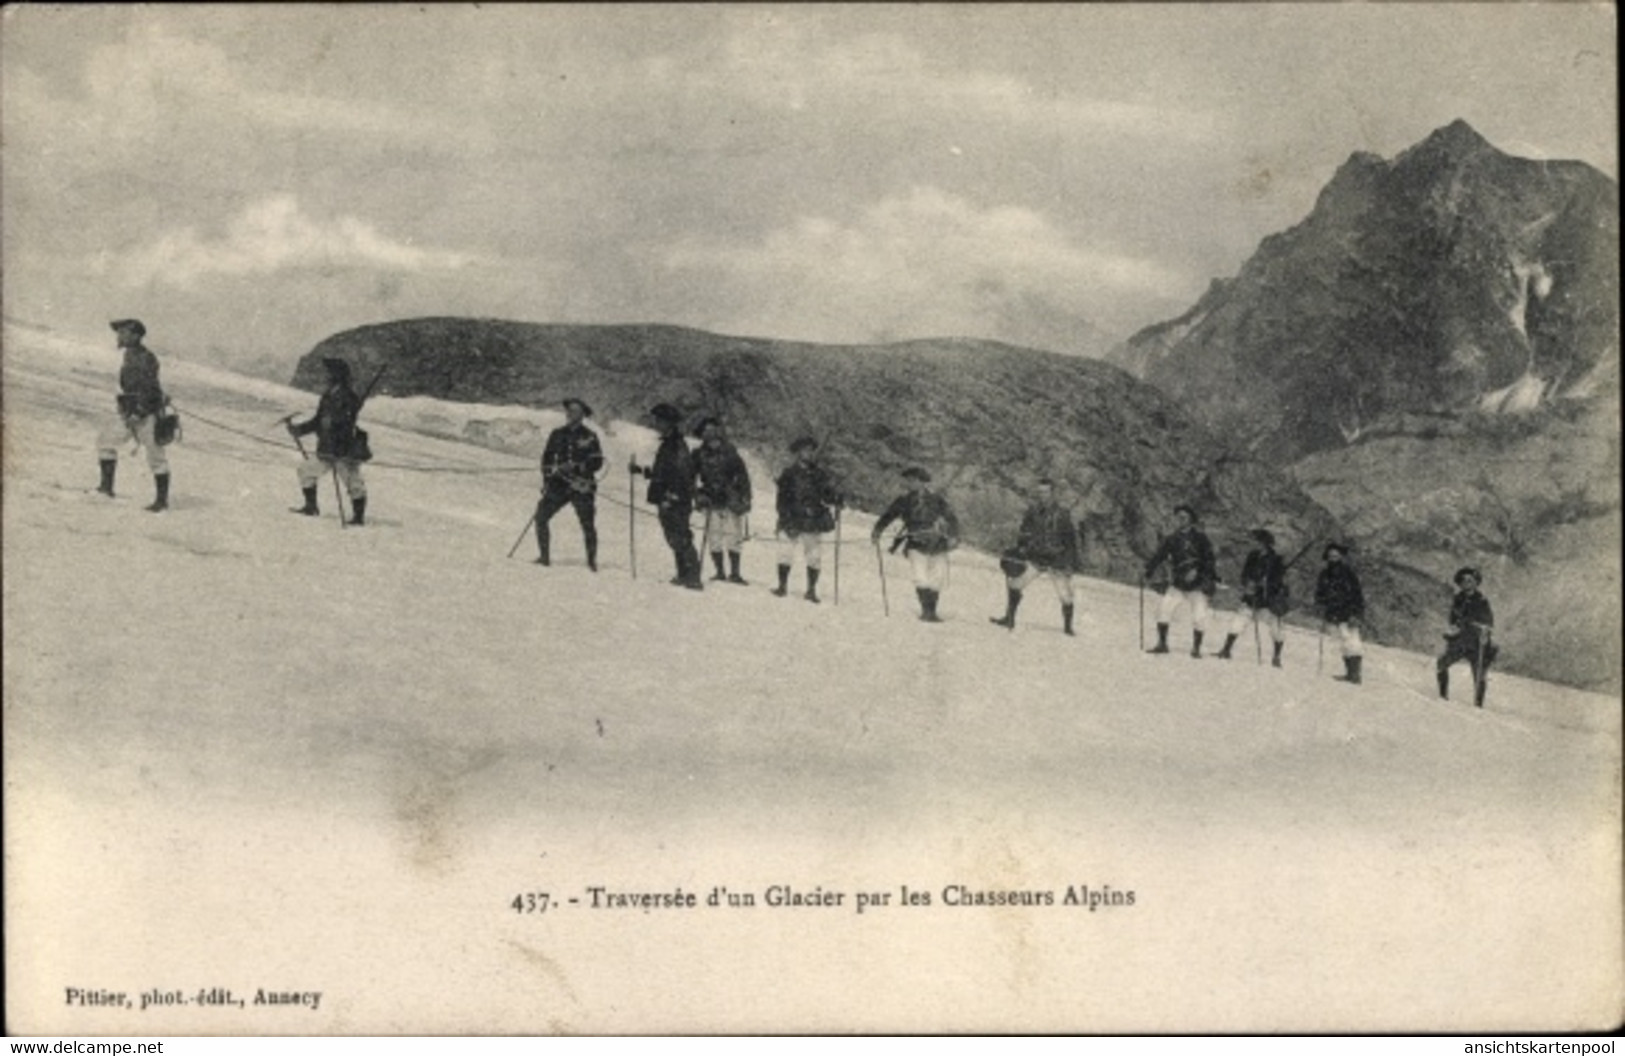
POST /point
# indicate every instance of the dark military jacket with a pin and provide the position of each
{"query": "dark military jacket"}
(1470, 616)
(671, 478)
(1337, 592)
(1048, 538)
(334, 423)
(805, 495)
(140, 394)
(572, 458)
(1190, 559)
(929, 525)
(1263, 582)
(724, 482)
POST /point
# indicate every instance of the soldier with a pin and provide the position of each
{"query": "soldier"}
(140, 402)
(930, 531)
(1471, 622)
(570, 464)
(1263, 595)
(671, 488)
(724, 494)
(336, 449)
(1046, 545)
(1342, 605)
(806, 496)
(1190, 558)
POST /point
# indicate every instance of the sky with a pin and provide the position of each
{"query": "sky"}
(249, 179)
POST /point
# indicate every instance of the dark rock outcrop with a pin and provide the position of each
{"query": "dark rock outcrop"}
(1452, 277)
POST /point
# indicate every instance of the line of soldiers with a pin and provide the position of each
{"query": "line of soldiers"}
(714, 479)
(145, 414)
(1265, 599)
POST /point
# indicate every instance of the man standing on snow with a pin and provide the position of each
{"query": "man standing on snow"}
(1046, 545)
(140, 402)
(1471, 622)
(930, 530)
(570, 464)
(724, 494)
(1342, 605)
(807, 504)
(671, 488)
(337, 449)
(1263, 595)
(1190, 558)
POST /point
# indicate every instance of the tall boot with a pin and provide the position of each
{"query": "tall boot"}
(309, 508)
(591, 539)
(1196, 645)
(544, 542)
(1351, 670)
(733, 569)
(358, 509)
(928, 605)
(1480, 684)
(1066, 618)
(108, 466)
(716, 559)
(161, 502)
(691, 562)
(1444, 683)
(784, 581)
(1012, 602)
(812, 586)
(1162, 639)
(1224, 650)
(1275, 661)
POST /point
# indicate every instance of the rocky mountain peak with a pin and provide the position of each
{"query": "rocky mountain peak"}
(1456, 141)
(1438, 282)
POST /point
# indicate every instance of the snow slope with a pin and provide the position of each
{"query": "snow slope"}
(250, 750)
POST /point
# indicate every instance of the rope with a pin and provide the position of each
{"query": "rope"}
(258, 439)
(409, 467)
(456, 471)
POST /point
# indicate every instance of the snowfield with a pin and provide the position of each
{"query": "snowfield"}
(249, 751)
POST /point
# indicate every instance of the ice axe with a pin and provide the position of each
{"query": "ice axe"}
(1142, 612)
(880, 563)
(632, 516)
(285, 421)
(837, 555)
(523, 532)
(1481, 676)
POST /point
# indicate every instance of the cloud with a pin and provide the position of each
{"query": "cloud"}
(155, 83)
(789, 68)
(923, 263)
(270, 236)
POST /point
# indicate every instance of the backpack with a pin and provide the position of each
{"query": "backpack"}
(166, 429)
